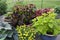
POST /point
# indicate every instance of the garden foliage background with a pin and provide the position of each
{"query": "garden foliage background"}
(38, 3)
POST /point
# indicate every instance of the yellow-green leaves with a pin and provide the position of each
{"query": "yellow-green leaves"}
(47, 22)
(25, 32)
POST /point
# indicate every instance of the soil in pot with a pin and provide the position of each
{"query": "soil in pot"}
(50, 32)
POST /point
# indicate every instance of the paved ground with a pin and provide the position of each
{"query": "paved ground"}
(1, 19)
(58, 37)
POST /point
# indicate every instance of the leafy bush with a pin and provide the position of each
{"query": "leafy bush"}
(41, 11)
(5, 30)
(3, 7)
(29, 13)
(23, 14)
(47, 24)
(57, 10)
(25, 32)
(8, 14)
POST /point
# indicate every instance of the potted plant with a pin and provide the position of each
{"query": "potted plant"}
(47, 26)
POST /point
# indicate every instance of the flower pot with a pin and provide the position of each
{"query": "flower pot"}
(48, 37)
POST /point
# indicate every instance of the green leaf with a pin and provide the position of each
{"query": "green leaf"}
(51, 25)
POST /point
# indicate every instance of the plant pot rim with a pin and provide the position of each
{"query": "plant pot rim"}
(49, 35)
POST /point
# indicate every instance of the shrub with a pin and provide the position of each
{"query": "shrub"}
(41, 11)
(3, 7)
(57, 10)
(23, 14)
(5, 30)
(25, 32)
(29, 13)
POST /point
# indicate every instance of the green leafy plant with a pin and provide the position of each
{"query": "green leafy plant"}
(3, 7)
(47, 24)
(25, 32)
(57, 10)
(8, 14)
(5, 30)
